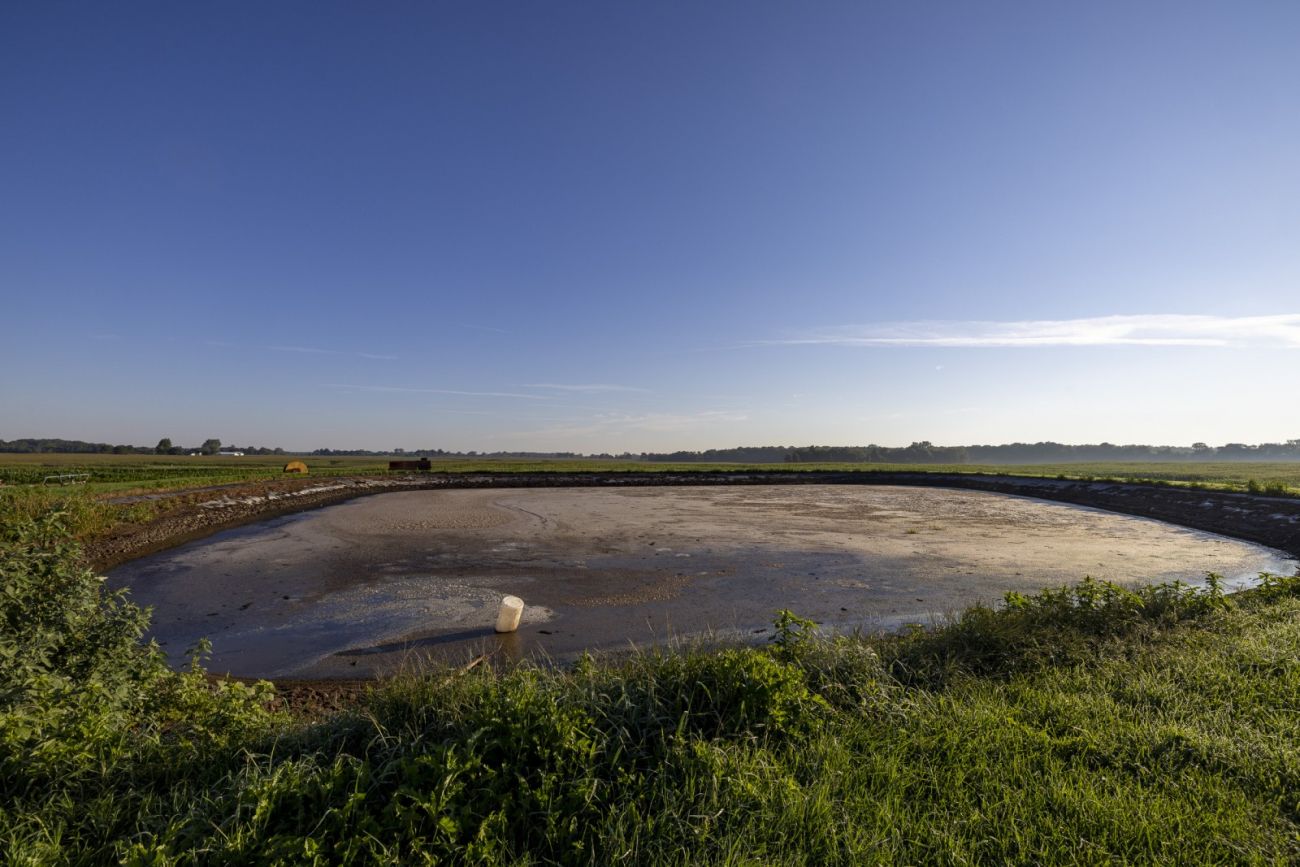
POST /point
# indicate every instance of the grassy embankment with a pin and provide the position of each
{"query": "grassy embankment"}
(1085, 725)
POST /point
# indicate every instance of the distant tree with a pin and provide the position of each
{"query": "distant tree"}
(210, 447)
(164, 447)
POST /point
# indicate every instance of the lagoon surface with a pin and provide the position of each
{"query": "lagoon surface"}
(377, 583)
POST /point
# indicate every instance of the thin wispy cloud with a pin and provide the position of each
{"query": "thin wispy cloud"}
(624, 424)
(304, 350)
(1282, 330)
(926, 416)
(493, 329)
(585, 388)
(410, 390)
(313, 350)
(469, 412)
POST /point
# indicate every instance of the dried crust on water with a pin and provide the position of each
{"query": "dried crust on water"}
(1272, 521)
(605, 566)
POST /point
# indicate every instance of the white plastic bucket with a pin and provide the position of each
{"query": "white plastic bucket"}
(511, 612)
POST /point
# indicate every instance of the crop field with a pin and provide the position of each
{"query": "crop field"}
(116, 473)
(113, 472)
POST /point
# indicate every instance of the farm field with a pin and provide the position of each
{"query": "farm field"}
(117, 473)
(120, 472)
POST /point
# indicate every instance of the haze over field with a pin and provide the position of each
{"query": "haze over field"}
(599, 227)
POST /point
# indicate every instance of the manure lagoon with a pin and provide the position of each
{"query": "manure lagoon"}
(371, 585)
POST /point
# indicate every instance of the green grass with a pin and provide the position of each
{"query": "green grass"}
(84, 516)
(1083, 725)
(118, 473)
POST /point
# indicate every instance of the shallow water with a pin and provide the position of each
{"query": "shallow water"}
(372, 584)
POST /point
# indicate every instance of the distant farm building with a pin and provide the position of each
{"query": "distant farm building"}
(295, 467)
(422, 465)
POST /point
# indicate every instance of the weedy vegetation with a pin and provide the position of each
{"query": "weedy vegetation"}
(1085, 724)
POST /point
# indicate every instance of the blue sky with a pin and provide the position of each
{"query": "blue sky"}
(615, 226)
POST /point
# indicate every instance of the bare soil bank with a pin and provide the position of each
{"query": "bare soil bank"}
(1271, 521)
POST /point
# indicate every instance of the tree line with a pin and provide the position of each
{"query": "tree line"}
(210, 446)
(923, 452)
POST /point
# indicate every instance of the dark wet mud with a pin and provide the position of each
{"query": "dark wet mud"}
(370, 585)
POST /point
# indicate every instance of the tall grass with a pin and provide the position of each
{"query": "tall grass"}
(80, 514)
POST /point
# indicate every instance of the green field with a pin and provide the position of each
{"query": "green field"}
(110, 473)
(117, 472)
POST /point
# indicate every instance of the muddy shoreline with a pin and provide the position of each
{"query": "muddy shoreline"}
(1270, 521)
